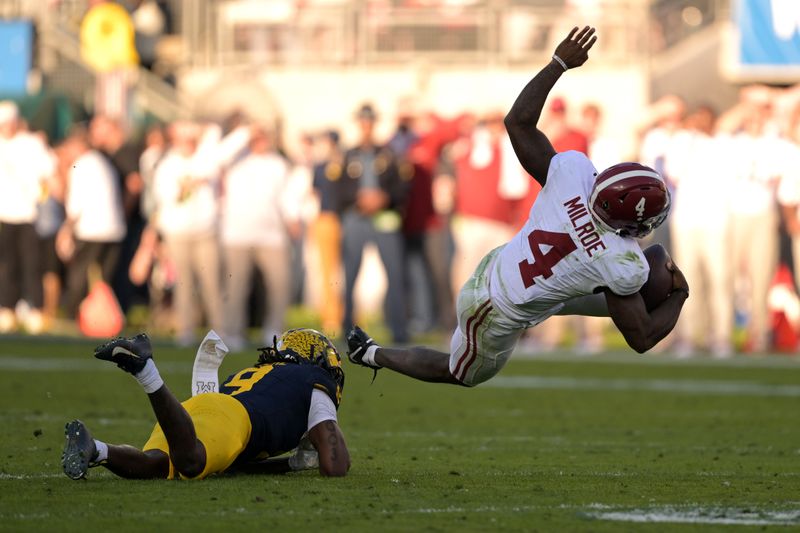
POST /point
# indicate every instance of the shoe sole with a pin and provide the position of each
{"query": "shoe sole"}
(126, 360)
(74, 460)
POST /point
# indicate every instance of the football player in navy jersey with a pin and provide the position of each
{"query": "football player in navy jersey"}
(287, 400)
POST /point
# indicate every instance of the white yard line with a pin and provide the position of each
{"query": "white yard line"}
(662, 359)
(685, 386)
(663, 514)
(701, 515)
(4, 475)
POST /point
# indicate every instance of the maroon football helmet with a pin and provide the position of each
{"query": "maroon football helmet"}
(630, 199)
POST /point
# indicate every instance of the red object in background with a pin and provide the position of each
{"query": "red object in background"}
(476, 187)
(99, 314)
(785, 337)
(420, 215)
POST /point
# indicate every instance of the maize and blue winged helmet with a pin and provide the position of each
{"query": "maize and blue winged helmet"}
(305, 346)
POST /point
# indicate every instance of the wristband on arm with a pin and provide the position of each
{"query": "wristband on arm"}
(560, 62)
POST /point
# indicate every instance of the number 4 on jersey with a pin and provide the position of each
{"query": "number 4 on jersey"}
(561, 245)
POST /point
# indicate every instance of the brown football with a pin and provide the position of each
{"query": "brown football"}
(659, 281)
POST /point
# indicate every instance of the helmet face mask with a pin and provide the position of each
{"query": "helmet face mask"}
(630, 200)
(305, 346)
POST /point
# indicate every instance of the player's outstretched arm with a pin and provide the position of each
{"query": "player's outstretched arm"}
(643, 330)
(327, 438)
(532, 147)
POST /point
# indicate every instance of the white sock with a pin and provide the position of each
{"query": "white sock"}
(149, 378)
(369, 355)
(102, 451)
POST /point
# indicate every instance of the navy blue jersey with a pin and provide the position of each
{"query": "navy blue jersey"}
(277, 398)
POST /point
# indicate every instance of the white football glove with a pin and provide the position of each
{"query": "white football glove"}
(305, 457)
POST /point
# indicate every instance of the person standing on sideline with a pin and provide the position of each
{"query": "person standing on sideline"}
(257, 208)
(25, 167)
(326, 231)
(754, 152)
(789, 189)
(108, 136)
(95, 226)
(701, 243)
(484, 213)
(185, 189)
(373, 197)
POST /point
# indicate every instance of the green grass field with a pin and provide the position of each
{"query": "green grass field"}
(617, 442)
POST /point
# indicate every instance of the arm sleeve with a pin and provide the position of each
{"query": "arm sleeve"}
(322, 409)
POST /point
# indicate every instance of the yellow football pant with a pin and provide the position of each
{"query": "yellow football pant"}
(221, 424)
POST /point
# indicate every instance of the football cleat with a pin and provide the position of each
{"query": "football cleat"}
(130, 354)
(357, 343)
(79, 452)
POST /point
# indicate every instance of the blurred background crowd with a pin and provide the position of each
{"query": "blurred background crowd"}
(234, 164)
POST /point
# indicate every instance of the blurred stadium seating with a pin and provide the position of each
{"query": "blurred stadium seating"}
(281, 37)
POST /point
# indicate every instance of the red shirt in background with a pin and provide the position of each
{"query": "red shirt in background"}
(420, 215)
(570, 140)
(477, 188)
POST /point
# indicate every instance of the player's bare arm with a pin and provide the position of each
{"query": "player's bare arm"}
(642, 329)
(532, 147)
(327, 438)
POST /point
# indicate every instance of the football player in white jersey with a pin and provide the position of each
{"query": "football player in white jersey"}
(577, 253)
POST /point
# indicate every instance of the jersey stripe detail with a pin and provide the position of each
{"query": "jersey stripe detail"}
(475, 338)
(471, 319)
(471, 351)
(474, 355)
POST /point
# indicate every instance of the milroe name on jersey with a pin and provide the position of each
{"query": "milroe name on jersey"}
(561, 253)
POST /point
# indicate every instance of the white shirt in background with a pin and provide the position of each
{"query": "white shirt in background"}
(257, 200)
(756, 172)
(190, 214)
(696, 164)
(94, 200)
(25, 162)
(655, 147)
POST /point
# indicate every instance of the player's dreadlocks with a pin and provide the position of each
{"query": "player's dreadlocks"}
(270, 355)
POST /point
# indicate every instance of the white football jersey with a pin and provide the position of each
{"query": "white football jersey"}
(562, 253)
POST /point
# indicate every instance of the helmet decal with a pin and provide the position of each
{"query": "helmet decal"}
(640, 208)
(629, 199)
